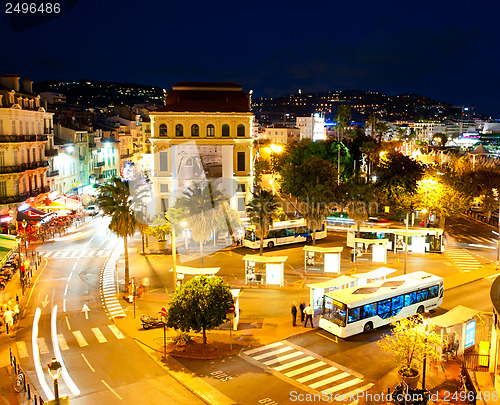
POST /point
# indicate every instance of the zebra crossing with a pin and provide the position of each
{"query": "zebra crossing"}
(76, 253)
(463, 259)
(308, 369)
(97, 335)
(108, 287)
(482, 239)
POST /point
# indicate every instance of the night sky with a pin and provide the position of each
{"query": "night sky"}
(448, 50)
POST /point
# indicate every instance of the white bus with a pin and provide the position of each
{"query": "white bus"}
(283, 233)
(363, 308)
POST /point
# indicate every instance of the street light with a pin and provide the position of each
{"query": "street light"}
(24, 223)
(54, 368)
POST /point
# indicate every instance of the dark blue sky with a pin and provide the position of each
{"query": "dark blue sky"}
(448, 50)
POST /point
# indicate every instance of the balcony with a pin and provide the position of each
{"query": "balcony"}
(126, 155)
(52, 173)
(34, 192)
(51, 152)
(82, 158)
(48, 131)
(92, 145)
(45, 189)
(99, 164)
(14, 198)
(13, 169)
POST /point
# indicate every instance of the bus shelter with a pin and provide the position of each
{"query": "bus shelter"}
(379, 250)
(420, 240)
(274, 270)
(457, 328)
(182, 271)
(318, 290)
(375, 275)
(322, 259)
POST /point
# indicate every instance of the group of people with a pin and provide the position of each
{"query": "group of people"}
(9, 314)
(306, 313)
(137, 291)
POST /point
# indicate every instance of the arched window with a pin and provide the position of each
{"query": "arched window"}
(179, 130)
(195, 130)
(210, 130)
(163, 130)
(240, 131)
(225, 130)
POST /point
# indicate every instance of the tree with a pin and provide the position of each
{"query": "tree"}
(412, 339)
(231, 217)
(260, 210)
(200, 305)
(116, 202)
(160, 229)
(343, 118)
(202, 202)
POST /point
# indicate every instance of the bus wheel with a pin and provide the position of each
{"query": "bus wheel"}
(309, 239)
(420, 310)
(368, 327)
(270, 244)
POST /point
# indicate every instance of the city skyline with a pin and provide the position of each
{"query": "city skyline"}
(274, 49)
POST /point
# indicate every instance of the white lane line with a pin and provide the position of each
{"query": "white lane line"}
(64, 305)
(47, 254)
(70, 274)
(79, 338)
(90, 253)
(74, 266)
(75, 253)
(318, 374)
(66, 290)
(88, 364)
(116, 331)
(36, 356)
(111, 389)
(259, 349)
(22, 350)
(294, 363)
(305, 368)
(57, 353)
(56, 254)
(100, 252)
(67, 323)
(99, 336)
(42, 345)
(62, 342)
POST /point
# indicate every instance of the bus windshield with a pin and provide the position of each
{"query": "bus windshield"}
(334, 311)
(250, 235)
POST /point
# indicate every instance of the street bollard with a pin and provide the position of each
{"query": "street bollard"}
(24, 382)
(29, 391)
(35, 398)
(7, 327)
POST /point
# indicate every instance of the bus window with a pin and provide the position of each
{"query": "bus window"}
(300, 230)
(384, 306)
(250, 235)
(433, 291)
(397, 302)
(409, 299)
(335, 311)
(369, 310)
(290, 232)
(280, 233)
(354, 314)
(422, 295)
(271, 234)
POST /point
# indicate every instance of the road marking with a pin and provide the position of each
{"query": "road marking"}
(305, 368)
(47, 254)
(42, 345)
(62, 342)
(79, 338)
(88, 364)
(326, 337)
(22, 350)
(70, 274)
(116, 331)
(259, 349)
(66, 290)
(318, 374)
(56, 254)
(283, 358)
(329, 380)
(344, 385)
(111, 389)
(98, 334)
(294, 363)
(67, 323)
(273, 353)
(64, 305)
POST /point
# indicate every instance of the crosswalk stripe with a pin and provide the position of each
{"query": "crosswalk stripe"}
(329, 380)
(294, 363)
(259, 349)
(116, 331)
(283, 358)
(99, 253)
(345, 385)
(47, 254)
(42, 346)
(274, 352)
(305, 368)
(56, 254)
(22, 350)
(63, 345)
(79, 338)
(99, 335)
(316, 374)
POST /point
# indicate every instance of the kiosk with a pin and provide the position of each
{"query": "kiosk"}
(379, 250)
(274, 270)
(375, 275)
(318, 290)
(322, 259)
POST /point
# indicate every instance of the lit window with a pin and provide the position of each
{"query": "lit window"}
(210, 130)
(195, 130)
(179, 130)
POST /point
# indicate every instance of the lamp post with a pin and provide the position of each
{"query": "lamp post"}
(24, 223)
(406, 241)
(54, 368)
(184, 224)
(174, 251)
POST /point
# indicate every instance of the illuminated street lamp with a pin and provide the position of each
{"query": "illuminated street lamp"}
(54, 368)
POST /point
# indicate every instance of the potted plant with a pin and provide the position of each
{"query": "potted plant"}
(160, 229)
(412, 340)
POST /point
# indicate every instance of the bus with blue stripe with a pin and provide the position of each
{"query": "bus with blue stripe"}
(365, 307)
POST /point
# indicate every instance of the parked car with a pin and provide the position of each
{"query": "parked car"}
(91, 210)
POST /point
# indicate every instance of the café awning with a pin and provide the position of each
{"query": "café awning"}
(8, 245)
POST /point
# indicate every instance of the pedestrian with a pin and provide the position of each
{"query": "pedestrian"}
(309, 316)
(8, 317)
(302, 306)
(140, 290)
(294, 313)
(145, 284)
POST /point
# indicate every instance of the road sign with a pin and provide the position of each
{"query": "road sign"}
(231, 309)
(164, 312)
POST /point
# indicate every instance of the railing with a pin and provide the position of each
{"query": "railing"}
(13, 169)
(14, 198)
(477, 362)
(126, 155)
(52, 173)
(82, 158)
(469, 385)
(480, 216)
(92, 145)
(51, 152)
(34, 192)
(21, 383)
(45, 189)
(99, 164)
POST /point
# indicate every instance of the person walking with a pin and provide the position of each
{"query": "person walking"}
(302, 306)
(294, 313)
(309, 316)
(8, 317)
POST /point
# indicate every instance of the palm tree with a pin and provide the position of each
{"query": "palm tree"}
(261, 209)
(204, 206)
(116, 202)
